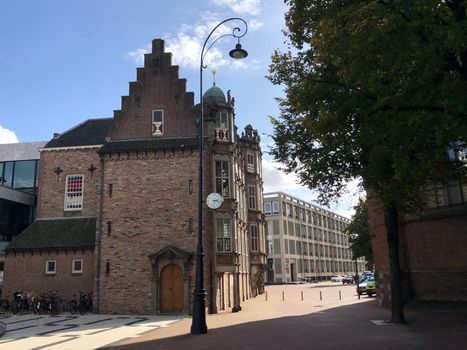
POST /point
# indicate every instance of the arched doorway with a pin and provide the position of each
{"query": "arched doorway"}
(171, 289)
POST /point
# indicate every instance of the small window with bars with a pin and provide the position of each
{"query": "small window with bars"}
(158, 122)
(74, 192)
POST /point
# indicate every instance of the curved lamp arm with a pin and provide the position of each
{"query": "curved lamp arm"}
(236, 33)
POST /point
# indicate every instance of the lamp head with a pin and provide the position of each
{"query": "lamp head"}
(238, 53)
(353, 235)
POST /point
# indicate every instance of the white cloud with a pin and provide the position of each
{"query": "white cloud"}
(276, 180)
(7, 136)
(254, 25)
(138, 54)
(251, 7)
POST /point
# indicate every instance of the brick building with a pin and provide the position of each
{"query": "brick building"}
(432, 248)
(117, 204)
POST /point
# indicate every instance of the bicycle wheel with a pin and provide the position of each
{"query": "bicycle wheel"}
(14, 308)
(65, 306)
(73, 307)
(4, 306)
(82, 308)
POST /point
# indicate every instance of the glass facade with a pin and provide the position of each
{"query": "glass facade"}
(22, 175)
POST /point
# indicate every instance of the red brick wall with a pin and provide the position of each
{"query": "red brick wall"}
(51, 194)
(26, 272)
(432, 254)
(149, 209)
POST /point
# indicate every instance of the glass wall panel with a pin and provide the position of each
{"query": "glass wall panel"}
(24, 175)
(8, 174)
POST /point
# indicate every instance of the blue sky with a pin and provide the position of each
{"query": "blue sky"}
(62, 62)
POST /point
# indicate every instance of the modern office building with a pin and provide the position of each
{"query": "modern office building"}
(305, 242)
(19, 165)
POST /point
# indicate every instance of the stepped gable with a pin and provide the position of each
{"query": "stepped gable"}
(157, 87)
(89, 133)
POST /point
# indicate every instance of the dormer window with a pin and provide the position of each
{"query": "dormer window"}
(158, 122)
(222, 126)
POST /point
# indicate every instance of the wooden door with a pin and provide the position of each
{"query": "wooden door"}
(171, 289)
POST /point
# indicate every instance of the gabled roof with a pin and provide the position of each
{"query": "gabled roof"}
(57, 233)
(150, 145)
(89, 132)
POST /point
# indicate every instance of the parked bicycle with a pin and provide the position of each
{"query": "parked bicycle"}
(82, 305)
(20, 303)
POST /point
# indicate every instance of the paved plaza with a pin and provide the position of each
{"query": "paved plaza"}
(288, 317)
(34, 332)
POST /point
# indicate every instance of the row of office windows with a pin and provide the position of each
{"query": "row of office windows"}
(289, 210)
(303, 248)
(22, 175)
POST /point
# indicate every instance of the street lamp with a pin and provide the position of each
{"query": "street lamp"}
(354, 236)
(198, 325)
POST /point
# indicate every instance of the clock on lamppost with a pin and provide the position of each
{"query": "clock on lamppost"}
(214, 200)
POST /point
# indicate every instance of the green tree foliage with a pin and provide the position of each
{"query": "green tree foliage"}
(361, 246)
(374, 90)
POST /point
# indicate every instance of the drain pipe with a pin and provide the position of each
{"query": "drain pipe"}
(97, 270)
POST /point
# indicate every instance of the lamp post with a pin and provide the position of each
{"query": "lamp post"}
(198, 325)
(354, 236)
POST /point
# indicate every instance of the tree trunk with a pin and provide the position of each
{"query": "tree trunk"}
(392, 229)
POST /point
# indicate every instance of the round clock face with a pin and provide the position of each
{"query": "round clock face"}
(214, 200)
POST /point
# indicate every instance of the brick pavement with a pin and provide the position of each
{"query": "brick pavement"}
(330, 323)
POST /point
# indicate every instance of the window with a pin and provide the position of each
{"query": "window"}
(222, 126)
(254, 238)
(50, 267)
(289, 210)
(222, 178)
(158, 122)
(74, 192)
(250, 162)
(267, 208)
(251, 197)
(77, 266)
(223, 235)
(275, 208)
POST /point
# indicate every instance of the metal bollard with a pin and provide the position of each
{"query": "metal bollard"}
(266, 296)
(282, 295)
(340, 295)
(302, 295)
(320, 296)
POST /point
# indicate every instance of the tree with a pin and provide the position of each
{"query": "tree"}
(374, 90)
(361, 246)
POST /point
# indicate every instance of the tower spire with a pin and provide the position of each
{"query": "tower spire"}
(214, 77)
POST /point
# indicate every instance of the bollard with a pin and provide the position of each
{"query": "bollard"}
(282, 295)
(320, 296)
(266, 296)
(302, 295)
(340, 295)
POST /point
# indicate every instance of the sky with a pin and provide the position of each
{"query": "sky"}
(62, 62)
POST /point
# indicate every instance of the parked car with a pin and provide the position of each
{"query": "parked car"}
(336, 278)
(371, 286)
(349, 279)
(362, 285)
